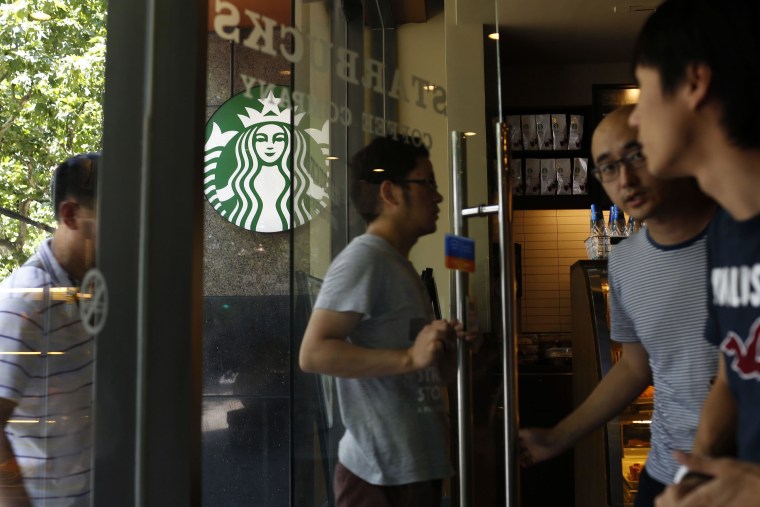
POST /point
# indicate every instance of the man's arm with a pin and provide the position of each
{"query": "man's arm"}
(734, 484)
(623, 384)
(716, 434)
(324, 348)
(12, 491)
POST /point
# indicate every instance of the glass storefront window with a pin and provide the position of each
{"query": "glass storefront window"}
(51, 85)
(292, 93)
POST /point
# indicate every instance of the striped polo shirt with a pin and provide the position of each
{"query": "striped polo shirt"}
(658, 297)
(46, 369)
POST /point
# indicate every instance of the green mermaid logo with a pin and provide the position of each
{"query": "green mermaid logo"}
(248, 174)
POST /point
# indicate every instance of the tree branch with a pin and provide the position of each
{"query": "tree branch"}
(20, 102)
(7, 244)
(27, 220)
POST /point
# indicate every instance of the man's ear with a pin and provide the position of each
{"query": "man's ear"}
(388, 193)
(698, 80)
(67, 211)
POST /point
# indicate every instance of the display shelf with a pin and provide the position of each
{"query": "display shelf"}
(594, 191)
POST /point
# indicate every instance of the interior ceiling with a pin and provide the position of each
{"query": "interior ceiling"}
(535, 32)
(571, 31)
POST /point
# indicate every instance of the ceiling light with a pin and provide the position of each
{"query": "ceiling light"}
(428, 87)
(493, 36)
(285, 72)
(631, 96)
(331, 157)
(378, 170)
(470, 134)
(641, 8)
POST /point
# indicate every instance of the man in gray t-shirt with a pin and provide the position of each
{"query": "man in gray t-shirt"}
(373, 328)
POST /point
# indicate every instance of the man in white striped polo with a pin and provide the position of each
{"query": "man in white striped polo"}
(46, 356)
(658, 302)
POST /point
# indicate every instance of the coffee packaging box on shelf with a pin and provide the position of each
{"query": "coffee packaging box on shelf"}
(575, 137)
(529, 136)
(564, 176)
(514, 132)
(544, 132)
(580, 176)
(559, 131)
(548, 177)
(532, 176)
(518, 182)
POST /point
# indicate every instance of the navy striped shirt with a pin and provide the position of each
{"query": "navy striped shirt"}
(658, 297)
(46, 369)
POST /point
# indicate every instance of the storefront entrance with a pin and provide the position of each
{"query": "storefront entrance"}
(223, 200)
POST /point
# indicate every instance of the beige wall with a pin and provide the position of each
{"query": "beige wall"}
(448, 50)
(422, 53)
(552, 241)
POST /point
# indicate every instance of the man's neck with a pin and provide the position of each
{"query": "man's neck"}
(62, 255)
(681, 221)
(396, 236)
(726, 172)
(731, 176)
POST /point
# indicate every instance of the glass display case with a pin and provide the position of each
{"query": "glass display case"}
(607, 462)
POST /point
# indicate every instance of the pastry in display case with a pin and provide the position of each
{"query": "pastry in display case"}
(635, 436)
(607, 462)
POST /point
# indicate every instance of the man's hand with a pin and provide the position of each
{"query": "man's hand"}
(537, 445)
(734, 484)
(12, 491)
(474, 338)
(433, 342)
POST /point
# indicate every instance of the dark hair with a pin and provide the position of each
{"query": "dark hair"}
(721, 34)
(397, 157)
(76, 178)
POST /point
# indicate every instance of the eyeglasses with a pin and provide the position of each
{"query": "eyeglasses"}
(610, 170)
(429, 183)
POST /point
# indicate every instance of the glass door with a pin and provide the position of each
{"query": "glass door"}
(229, 124)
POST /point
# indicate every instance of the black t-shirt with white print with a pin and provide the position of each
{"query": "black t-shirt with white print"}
(734, 318)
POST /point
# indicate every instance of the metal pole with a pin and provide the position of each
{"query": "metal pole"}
(506, 259)
(460, 280)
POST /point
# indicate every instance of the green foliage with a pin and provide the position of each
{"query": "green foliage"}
(52, 76)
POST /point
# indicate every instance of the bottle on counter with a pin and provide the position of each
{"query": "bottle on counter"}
(633, 226)
(618, 226)
(611, 220)
(597, 222)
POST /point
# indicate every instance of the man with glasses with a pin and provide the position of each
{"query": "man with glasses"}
(657, 310)
(46, 366)
(373, 328)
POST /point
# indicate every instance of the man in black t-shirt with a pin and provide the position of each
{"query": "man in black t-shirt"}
(697, 66)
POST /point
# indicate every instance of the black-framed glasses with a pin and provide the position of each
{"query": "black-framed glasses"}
(609, 171)
(430, 183)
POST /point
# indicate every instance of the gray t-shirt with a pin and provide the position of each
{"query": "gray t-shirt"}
(397, 429)
(658, 297)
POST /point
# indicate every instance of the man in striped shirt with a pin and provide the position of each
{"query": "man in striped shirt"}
(46, 356)
(657, 304)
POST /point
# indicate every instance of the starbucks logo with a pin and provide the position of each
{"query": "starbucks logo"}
(263, 171)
